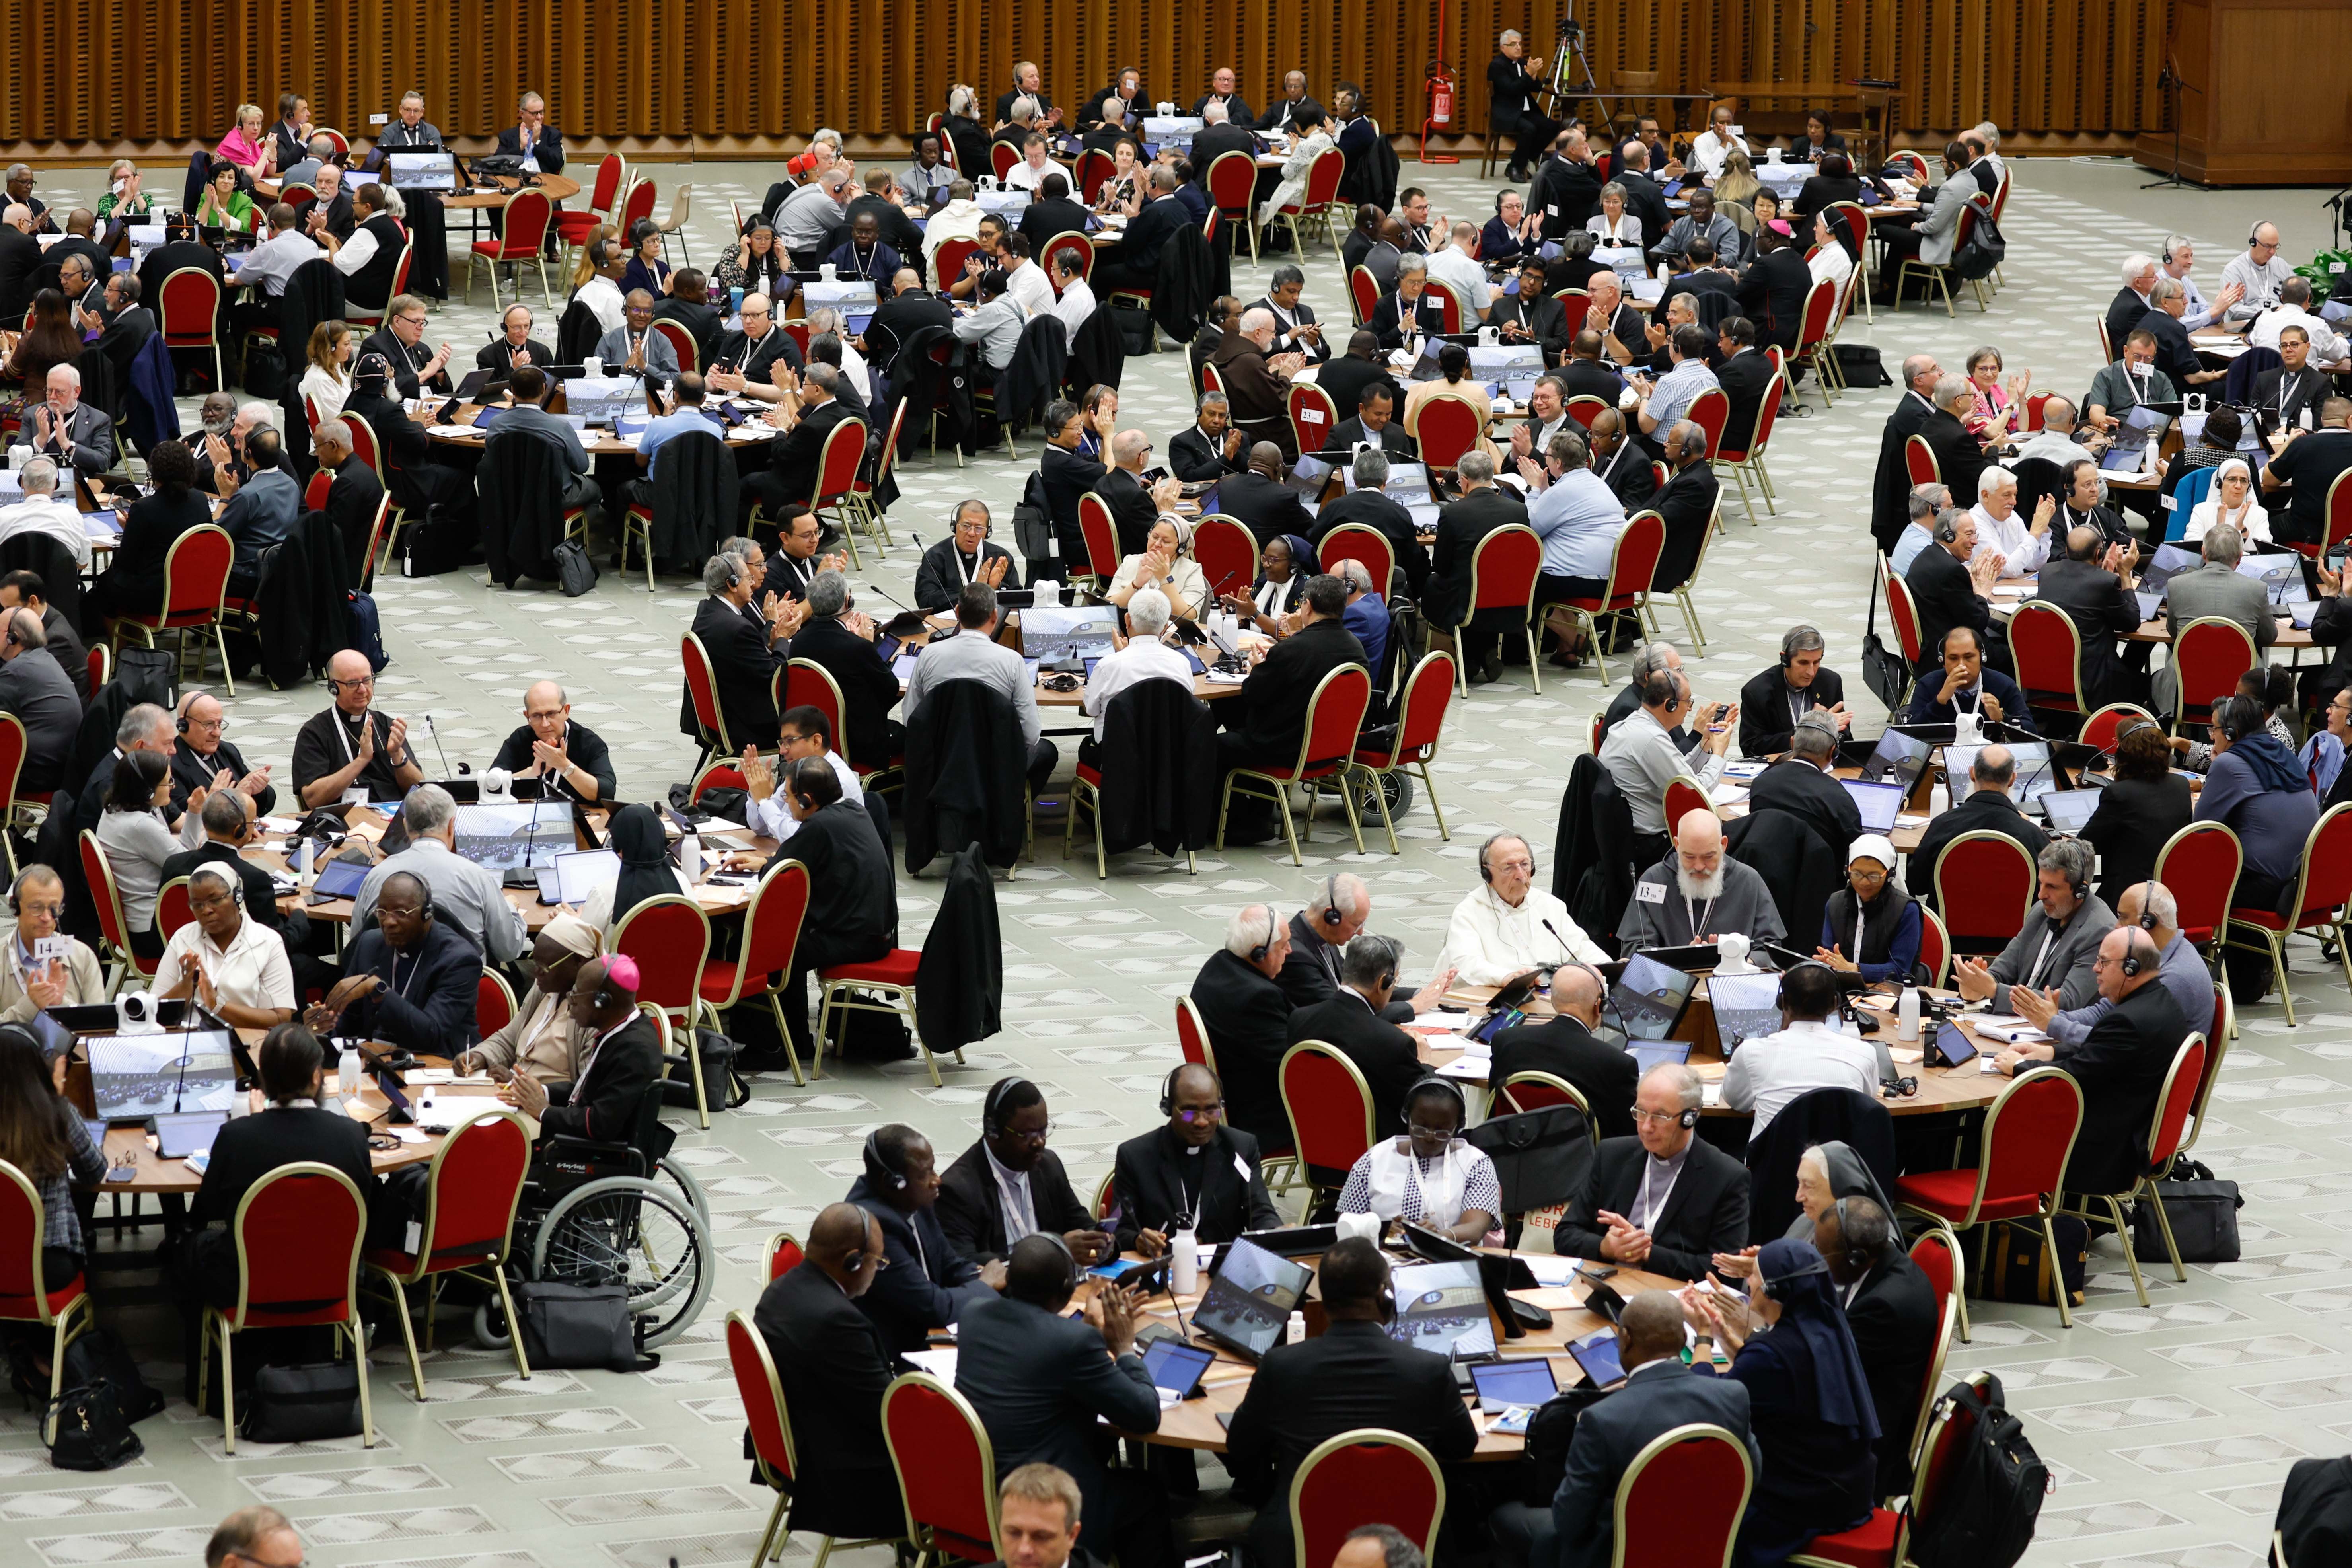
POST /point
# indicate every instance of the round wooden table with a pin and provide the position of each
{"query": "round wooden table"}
(131, 1146)
(557, 188)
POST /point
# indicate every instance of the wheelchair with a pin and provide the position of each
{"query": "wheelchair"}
(598, 1214)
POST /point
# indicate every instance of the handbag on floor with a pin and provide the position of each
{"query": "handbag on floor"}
(2202, 1212)
(302, 1403)
(568, 1325)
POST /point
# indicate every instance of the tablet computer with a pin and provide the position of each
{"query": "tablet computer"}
(1746, 1005)
(1175, 1366)
(2069, 810)
(1441, 1307)
(1953, 1047)
(1509, 1384)
(1250, 1298)
(1596, 1353)
(1651, 997)
(1660, 1053)
(339, 880)
(182, 1133)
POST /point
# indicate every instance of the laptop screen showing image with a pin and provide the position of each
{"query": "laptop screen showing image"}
(1249, 1300)
(1441, 1307)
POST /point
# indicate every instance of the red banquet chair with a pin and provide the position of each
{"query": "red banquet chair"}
(1633, 562)
(2199, 866)
(783, 1254)
(187, 313)
(494, 1003)
(1359, 542)
(1100, 536)
(1446, 427)
(2209, 655)
(947, 1468)
(1680, 1501)
(1313, 417)
(1363, 293)
(762, 1393)
(1232, 184)
(1331, 1109)
(1192, 1035)
(196, 593)
(2048, 648)
(2322, 889)
(1503, 572)
(1919, 461)
(1984, 885)
(1335, 717)
(772, 930)
(2028, 1135)
(2099, 730)
(26, 1294)
(574, 228)
(670, 939)
(1711, 411)
(297, 1232)
(1226, 552)
(527, 214)
(2166, 1129)
(471, 1191)
(1428, 692)
(1365, 1476)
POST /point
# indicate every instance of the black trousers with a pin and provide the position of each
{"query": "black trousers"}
(1530, 135)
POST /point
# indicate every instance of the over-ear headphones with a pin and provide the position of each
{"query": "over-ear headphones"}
(2130, 964)
(1257, 954)
(1689, 1117)
(1070, 1282)
(2147, 920)
(1856, 1258)
(1446, 1086)
(1780, 996)
(879, 1169)
(1168, 1090)
(1331, 915)
(1947, 525)
(2254, 238)
(185, 703)
(991, 1122)
(1789, 642)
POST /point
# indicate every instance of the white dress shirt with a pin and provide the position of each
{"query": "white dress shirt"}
(2014, 539)
(2199, 312)
(49, 516)
(1708, 151)
(1026, 176)
(326, 392)
(355, 252)
(2326, 344)
(1076, 303)
(1144, 658)
(1770, 1070)
(605, 302)
(1487, 941)
(1464, 277)
(251, 972)
(1028, 284)
(774, 818)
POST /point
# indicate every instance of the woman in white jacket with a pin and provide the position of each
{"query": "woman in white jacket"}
(2230, 500)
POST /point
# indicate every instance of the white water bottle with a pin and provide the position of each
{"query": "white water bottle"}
(1906, 1015)
(304, 871)
(690, 856)
(1183, 1262)
(347, 1075)
(1295, 1333)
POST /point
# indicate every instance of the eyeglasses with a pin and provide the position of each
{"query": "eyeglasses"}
(1867, 875)
(217, 726)
(356, 681)
(1196, 1114)
(410, 321)
(536, 714)
(1036, 1138)
(52, 911)
(1418, 1130)
(1641, 1115)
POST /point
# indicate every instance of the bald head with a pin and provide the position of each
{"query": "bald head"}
(1649, 1329)
(1266, 457)
(1698, 830)
(1576, 991)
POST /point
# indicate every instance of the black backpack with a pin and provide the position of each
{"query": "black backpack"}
(1990, 1492)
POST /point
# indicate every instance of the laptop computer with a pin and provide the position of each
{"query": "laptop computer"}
(1879, 804)
(1251, 1295)
(2068, 810)
(1441, 1307)
(1521, 1381)
(1659, 1053)
(2280, 576)
(1596, 1355)
(1898, 758)
(1651, 997)
(577, 874)
(1175, 1367)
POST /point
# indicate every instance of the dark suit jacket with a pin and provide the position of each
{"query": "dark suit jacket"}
(249, 1148)
(833, 1367)
(2121, 1066)
(1743, 377)
(1065, 476)
(1773, 288)
(1705, 1213)
(352, 501)
(1561, 1046)
(1281, 114)
(928, 1284)
(701, 323)
(1460, 526)
(1567, 194)
(1958, 458)
(1764, 721)
(1139, 251)
(1349, 433)
(1373, 509)
(1345, 376)
(900, 317)
(1247, 1016)
(1213, 141)
(2176, 356)
(743, 671)
(1946, 596)
(757, 363)
(2094, 600)
(1890, 488)
(1687, 503)
(1193, 457)
(1387, 1057)
(1157, 1178)
(1588, 378)
(2306, 389)
(1042, 220)
(405, 361)
(2124, 313)
(1627, 473)
(1352, 1375)
(586, 749)
(795, 456)
(41, 695)
(853, 914)
(1038, 1381)
(972, 1219)
(868, 689)
(1388, 316)
(1810, 795)
(1272, 719)
(604, 1103)
(191, 772)
(899, 230)
(1988, 811)
(1131, 511)
(548, 149)
(1545, 319)
(938, 579)
(1893, 1318)
(1285, 339)
(1267, 508)
(1646, 200)
(20, 257)
(2135, 819)
(502, 355)
(1658, 1397)
(432, 1011)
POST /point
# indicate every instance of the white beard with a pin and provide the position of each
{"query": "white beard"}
(1707, 889)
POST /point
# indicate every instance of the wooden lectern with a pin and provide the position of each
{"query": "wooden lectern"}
(2247, 116)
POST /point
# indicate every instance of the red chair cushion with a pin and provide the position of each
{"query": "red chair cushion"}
(493, 248)
(717, 979)
(899, 969)
(1948, 1193)
(572, 227)
(1868, 1545)
(2269, 919)
(19, 1308)
(390, 1258)
(1089, 775)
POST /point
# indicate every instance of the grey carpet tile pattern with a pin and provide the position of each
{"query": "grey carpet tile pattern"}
(2169, 1429)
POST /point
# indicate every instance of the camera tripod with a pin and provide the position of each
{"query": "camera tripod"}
(1568, 87)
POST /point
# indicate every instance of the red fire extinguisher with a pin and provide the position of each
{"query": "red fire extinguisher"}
(1443, 95)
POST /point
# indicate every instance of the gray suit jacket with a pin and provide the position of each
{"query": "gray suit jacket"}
(86, 442)
(2068, 967)
(1939, 225)
(2216, 590)
(530, 416)
(613, 349)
